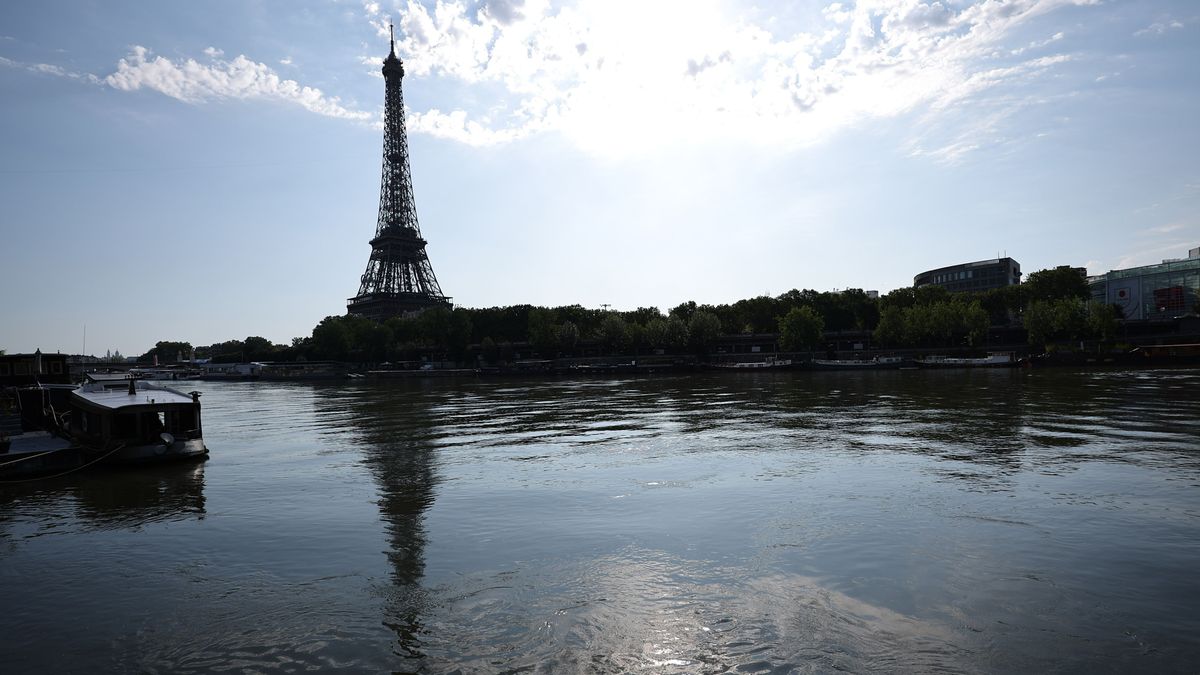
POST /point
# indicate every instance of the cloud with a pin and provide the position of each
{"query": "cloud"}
(213, 52)
(1159, 28)
(49, 69)
(1152, 256)
(194, 82)
(505, 12)
(285, 61)
(622, 76)
(1166, 229)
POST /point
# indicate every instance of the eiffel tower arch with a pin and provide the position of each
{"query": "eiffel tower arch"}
(399, 280)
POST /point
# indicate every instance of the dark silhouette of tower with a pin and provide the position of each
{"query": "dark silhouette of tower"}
(399, 279)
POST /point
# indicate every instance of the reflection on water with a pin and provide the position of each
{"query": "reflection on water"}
(394, 433)
(103, 500)
(905, 521)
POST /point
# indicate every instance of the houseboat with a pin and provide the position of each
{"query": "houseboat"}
(770, 363)
(136, 422)
(877, 363)
(992, 360)
(31, 438)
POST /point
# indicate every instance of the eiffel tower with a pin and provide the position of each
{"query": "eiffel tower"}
(399, 280)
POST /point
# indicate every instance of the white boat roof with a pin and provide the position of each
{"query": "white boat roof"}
(119, 397)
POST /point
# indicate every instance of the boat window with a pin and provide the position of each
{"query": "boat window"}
(153, 424)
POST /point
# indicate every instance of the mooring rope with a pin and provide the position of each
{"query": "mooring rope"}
(68, 471)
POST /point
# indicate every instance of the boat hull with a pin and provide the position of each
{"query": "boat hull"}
(820, 364)
(154, 453)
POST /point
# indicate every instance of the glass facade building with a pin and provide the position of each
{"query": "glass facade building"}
(1164, 291)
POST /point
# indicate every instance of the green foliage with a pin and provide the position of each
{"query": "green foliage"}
(168, 351)
(331, 338)
(1056, 284)
(568, 336)
(489, 350)
(974, 321)
(702, 330)
(1102, 320)
(440, 327)
(946, 322)
(1003, 304)
(890, 330)
(258, 348)
(614, 333)
(683, 311)
(677, 333)
(801, 328)
(926, 316)
(1062, 319)
(641, 316)
(543, 331)
(656, 333)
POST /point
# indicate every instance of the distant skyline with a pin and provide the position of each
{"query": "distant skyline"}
(210, 171)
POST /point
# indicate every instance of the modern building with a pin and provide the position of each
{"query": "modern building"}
(983, 275)
(1167, 290)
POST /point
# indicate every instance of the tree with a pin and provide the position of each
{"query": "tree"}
(1102, 320)
(614, 333)
(656, 333)
(642, 315)
(756, 315)
(167, 351)
(703, 329)
(890, 330)
(331, 339)
(974, 321)
(1048, 320)
(800, 328)
(543, 331)
(257, 348)
(488, 347)
(1056, 284)
(677, 333)
(458, 332)
(684, 310)
(568, 336)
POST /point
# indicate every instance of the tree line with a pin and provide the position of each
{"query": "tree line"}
(1052, 305)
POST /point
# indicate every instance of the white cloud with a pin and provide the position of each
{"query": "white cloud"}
(1166, 229)
(1159, 27)
(240, 78)
(48, 69)
(286, 61)
(621, 76)
(213, 52)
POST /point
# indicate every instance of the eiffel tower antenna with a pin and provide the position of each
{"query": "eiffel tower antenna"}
(399, 280)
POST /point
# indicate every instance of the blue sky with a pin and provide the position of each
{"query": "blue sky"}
(209, 171)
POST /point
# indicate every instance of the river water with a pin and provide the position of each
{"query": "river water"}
(906, 521)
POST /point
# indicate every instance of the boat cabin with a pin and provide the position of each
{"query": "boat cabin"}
(133, 413)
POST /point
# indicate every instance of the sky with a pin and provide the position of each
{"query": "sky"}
(210, 171)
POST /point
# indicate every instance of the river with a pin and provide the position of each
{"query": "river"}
(1003, 521)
